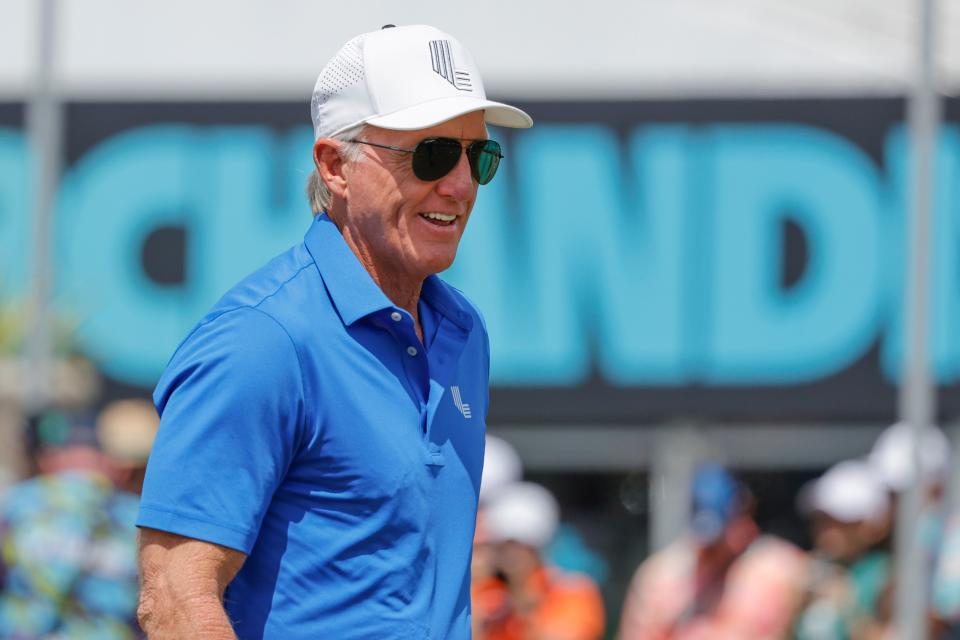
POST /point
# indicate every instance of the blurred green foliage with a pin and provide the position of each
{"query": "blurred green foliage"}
(15, 330)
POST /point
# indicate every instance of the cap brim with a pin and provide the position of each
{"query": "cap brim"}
(432, 113)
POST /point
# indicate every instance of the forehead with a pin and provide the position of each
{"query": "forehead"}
(468, 126)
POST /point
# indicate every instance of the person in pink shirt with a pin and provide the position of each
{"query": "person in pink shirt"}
(722, 580)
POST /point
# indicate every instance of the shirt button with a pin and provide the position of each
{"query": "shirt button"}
(411, 351)
(396, 317)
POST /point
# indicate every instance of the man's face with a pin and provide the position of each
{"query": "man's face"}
(844, 541)
(387, 205)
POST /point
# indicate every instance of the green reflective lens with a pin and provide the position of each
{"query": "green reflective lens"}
(434, 158)
(484, 156)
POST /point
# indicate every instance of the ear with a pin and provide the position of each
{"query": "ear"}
(330, 166)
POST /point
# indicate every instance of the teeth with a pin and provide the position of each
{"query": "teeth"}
(439, 216)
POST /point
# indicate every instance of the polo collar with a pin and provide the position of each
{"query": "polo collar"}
(436, 293)
(354, 293)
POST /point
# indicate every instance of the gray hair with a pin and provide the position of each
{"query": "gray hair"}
(318, 194)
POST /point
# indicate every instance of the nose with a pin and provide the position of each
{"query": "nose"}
(458, 184)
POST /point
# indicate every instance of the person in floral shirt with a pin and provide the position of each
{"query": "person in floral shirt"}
(67, 537)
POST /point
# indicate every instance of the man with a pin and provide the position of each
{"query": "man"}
(126, 430)
(68, 568)
(723, 581)
(847, 593)
(523, 596)
(321, 440)
(900, 466)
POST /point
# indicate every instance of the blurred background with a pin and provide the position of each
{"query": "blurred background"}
(693, 268)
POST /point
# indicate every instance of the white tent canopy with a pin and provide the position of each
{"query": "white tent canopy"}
(536, 49)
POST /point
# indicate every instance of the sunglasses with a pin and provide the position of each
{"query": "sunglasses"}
(434, 158)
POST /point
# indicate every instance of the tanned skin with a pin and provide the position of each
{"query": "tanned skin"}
(182, 582)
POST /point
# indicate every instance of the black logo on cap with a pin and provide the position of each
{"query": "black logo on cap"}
(442, 60)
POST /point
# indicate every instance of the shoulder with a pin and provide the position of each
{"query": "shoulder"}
(771, 546)
(242, 348)
(240, 332)
(774, 558)
(572, 582)
(572, 602)
(26, 497)
(258, 311)
(65, 500)
(673, 560)
(274, 288)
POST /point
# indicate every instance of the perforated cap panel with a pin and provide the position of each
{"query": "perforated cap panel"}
(344, 70)
(402, 78)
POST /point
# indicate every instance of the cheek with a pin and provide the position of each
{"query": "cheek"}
(373, 187)
(417, 192)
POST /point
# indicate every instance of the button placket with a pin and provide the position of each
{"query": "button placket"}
(414, 366)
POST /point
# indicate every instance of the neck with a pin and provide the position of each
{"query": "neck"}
(405, 293)
(401, 288)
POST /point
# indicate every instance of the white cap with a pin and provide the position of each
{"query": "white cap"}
(403, 78)
(501, 466)
(126, 430)
(850, 491)
(524, 512)
(892, 456)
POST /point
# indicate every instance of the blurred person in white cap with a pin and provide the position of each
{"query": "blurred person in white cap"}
(849, 510)
(938, 529)
(527, 598)
(317, 467)
(848, 580)
(722, 580)
(126, 430)
(501, 468)
(892, 457)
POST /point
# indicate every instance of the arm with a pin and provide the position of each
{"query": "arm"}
(182, 585)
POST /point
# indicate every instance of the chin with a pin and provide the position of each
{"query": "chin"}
(436, 264)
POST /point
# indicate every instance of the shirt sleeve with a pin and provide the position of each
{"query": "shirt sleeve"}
(486, 360)
(231, 408)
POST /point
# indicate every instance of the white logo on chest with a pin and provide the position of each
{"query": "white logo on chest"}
(462, 406)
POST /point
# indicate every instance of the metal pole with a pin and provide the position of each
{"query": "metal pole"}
(678, 450)
(44, 128)
(917, 393)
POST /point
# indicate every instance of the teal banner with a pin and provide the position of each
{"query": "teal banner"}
(634, 261)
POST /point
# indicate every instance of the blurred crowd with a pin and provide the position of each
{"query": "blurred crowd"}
(68, 548)
(724, 578)
(519, 591)
(67, 537)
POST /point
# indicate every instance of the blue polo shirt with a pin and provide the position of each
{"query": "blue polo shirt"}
(304, 424)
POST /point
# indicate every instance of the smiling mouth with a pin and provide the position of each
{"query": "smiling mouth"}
(439, 219)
